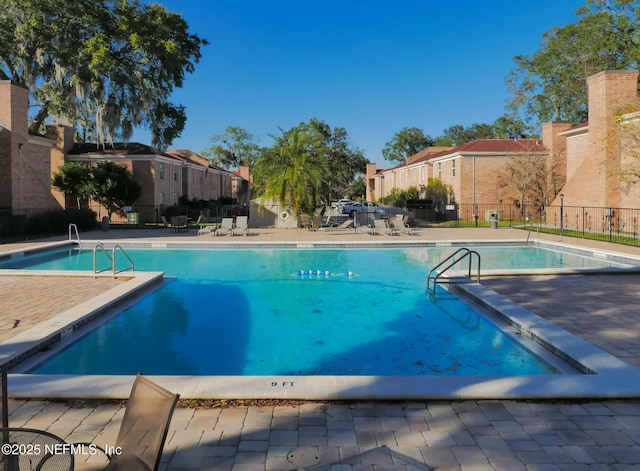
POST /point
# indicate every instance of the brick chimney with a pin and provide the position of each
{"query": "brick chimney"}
(608, 92)
(14, 102)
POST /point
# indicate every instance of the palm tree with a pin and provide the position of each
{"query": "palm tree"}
(292, 171)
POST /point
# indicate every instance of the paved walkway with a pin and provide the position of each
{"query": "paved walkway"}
(408, 436)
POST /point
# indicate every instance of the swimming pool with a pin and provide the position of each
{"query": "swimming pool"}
(300, 312)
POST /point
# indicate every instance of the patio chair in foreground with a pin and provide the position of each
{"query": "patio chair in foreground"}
(242, 225)
(144, 427)
(36, 442)
(4, 398)
(226, 227)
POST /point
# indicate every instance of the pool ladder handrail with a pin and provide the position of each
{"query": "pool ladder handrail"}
(434, 273)
(112, 258)
(75, 231)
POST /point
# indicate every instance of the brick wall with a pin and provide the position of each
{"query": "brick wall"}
(25, 182)
(594, 153)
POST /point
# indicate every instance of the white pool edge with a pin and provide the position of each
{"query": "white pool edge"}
(612, 378)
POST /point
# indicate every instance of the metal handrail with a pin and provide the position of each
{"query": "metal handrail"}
(100, 246)
(529, 234)
(75, 228)
(113, 259)
(434, 274)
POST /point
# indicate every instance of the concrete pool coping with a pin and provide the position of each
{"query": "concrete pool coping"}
(613, 378)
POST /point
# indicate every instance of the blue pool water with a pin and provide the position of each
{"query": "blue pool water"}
(251, 312)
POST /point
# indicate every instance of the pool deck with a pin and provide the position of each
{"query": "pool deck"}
(404, 435)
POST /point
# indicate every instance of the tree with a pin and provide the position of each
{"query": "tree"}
(235, 148)
(114, 187)
(115, 61)
(508, 126)
(528, 176)
(343, 161)
(457, 135)
(73, 179)
(550, 85)
(436, 190)
(405, 143)
(291, 171)
(358, 188)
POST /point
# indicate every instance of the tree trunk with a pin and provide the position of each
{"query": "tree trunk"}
(38, 121)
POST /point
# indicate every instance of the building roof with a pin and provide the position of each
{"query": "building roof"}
(502, 145)
(117, 148)
(123, 149)
(575, 130)
(189, 156)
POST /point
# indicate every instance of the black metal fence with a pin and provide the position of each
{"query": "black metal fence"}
(618, 225)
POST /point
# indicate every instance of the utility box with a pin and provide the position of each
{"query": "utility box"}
(133, 218)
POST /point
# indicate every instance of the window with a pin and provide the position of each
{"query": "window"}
(439, 170)
(161, 171)
(453, 168)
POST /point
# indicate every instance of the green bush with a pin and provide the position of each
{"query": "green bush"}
(57, 221)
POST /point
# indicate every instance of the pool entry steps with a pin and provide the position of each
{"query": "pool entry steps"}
(434, 275)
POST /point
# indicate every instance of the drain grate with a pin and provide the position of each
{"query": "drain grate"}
(304, 457)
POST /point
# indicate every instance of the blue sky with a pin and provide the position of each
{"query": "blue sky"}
(369, 66)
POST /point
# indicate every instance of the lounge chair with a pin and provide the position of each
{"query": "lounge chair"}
(144, 427)
(348, 224)
(380, 226)
(226, 227)
(304, 221)
(242, 225)
(207, 230)
(165, 224)
(179, 223)
(399, 225)
(316, 223)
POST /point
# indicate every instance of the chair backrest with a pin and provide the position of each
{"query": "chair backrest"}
(5, 399)
(144, 426)
(227, 223)
(242, 222)
(380, 224)
(399, 222)
(347, 223)
(164, 220)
